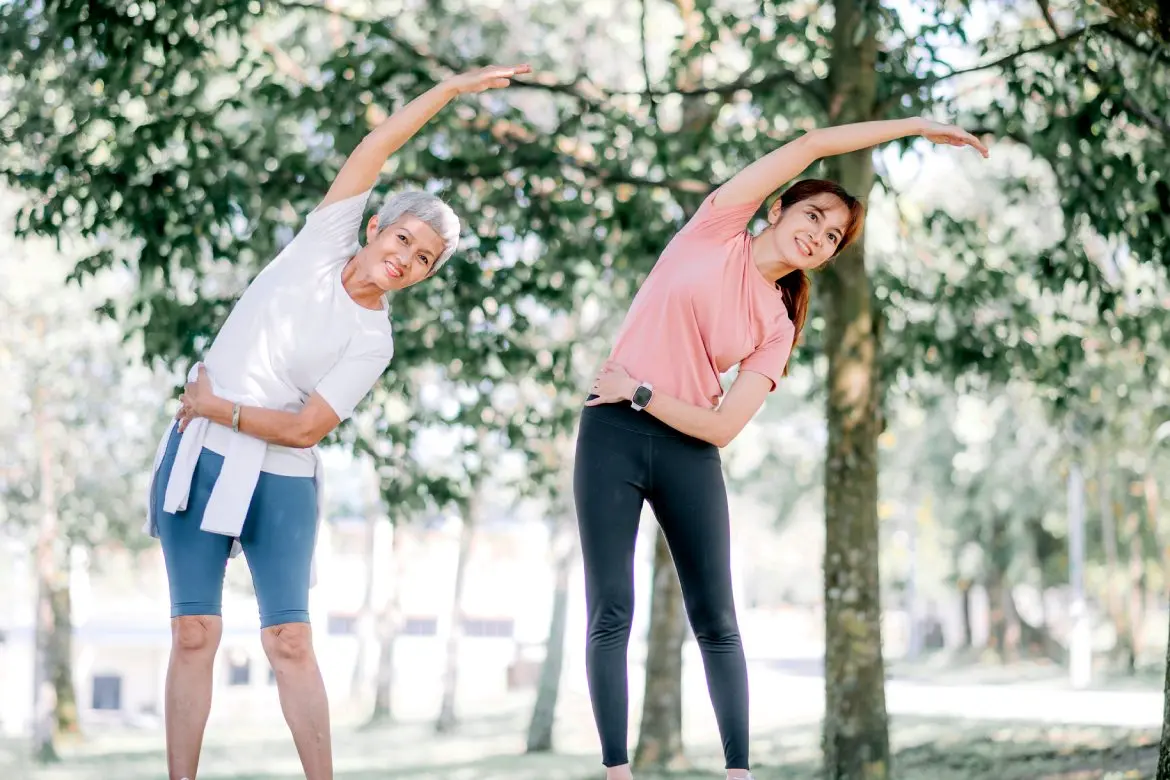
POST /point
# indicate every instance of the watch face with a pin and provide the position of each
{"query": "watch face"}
(642, 396)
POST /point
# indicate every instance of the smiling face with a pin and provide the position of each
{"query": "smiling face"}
(807, 234)
(402, 254)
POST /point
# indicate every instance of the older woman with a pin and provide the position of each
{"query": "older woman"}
(238, 469)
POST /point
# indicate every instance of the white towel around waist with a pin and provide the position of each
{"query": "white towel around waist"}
(227, 506)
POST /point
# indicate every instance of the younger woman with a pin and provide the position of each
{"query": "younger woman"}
(718, 297)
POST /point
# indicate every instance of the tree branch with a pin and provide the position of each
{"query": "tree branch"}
(646, 60)
(1128, 102)
(280, 59)
(1152, 119)
(931, 80)
(580, 88)
(1161, 54)
(1046, 11)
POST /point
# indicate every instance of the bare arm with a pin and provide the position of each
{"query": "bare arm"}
(715, 426)
(767, 174)
(301, 429)
(361, 169)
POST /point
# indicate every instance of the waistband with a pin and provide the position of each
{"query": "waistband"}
(622, 415)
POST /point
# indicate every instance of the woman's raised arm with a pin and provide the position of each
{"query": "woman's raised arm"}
(766, 175)
(361, 169)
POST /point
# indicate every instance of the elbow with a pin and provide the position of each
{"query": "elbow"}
(724, 433)
(304, 437)
(811, 144)
(722, 436)
(301, 441)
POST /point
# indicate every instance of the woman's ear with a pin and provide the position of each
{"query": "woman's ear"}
(774, 212)
(372, 228)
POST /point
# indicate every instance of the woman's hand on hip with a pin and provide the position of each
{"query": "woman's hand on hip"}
(613, 384)
(196, 399)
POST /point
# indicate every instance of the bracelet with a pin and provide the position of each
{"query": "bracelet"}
(236, 418)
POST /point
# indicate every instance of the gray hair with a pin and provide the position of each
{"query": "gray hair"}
(426, 207)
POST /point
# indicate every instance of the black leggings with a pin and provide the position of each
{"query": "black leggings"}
(625, 457)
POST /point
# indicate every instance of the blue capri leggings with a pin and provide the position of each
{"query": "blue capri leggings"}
(279, 534)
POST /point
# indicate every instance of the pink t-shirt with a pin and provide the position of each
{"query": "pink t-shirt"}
(704, 308)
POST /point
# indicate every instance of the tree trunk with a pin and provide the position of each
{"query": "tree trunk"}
(1034, 639)
(1137, 591)
(540, 728)
(1002, 633)
(65, 717)
(1109, 542)
(447, 719)
(366, 623)
(1153, 499)
(660, 739)
(1012, 621)
(856, 731)
(965, 607)
(54, 702)
(388, 627)
(996, 614)
(1164, 747)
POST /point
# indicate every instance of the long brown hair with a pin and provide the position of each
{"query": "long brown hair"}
(796, 287)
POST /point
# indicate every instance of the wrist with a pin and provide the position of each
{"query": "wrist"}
(447, 89)
(631, 386)
(918, 125)
(216, 409)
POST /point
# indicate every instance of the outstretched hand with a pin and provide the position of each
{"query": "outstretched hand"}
(939, 133)
(491, 77)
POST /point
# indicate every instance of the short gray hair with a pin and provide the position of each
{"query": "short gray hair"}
(434, 212)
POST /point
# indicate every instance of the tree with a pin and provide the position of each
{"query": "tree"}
(74, 392)
(469, 518)
(1150, 16)
(564, 551)
(1164, 744)
(594, 180)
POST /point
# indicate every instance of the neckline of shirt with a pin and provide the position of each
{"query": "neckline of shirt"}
(375, 315)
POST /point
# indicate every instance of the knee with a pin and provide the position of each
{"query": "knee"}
(611, 612)
(715, 625)
(289, 644)
(195, 635)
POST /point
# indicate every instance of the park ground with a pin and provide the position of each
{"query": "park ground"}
(968, 723)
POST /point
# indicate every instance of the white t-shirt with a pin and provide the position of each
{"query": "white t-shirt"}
(296, 331)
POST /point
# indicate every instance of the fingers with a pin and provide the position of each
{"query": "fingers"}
(508, 71)
(960, 137)
(499, 76)
(979, 145)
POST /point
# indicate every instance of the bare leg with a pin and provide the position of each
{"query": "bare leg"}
(302, 695)
(621, 772)
(194, 640)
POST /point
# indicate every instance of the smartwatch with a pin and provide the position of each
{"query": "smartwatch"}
(642, 396)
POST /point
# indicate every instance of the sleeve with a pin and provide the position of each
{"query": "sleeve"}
(715, 222)
(770, 357)
(330, 234)
(352, 377)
